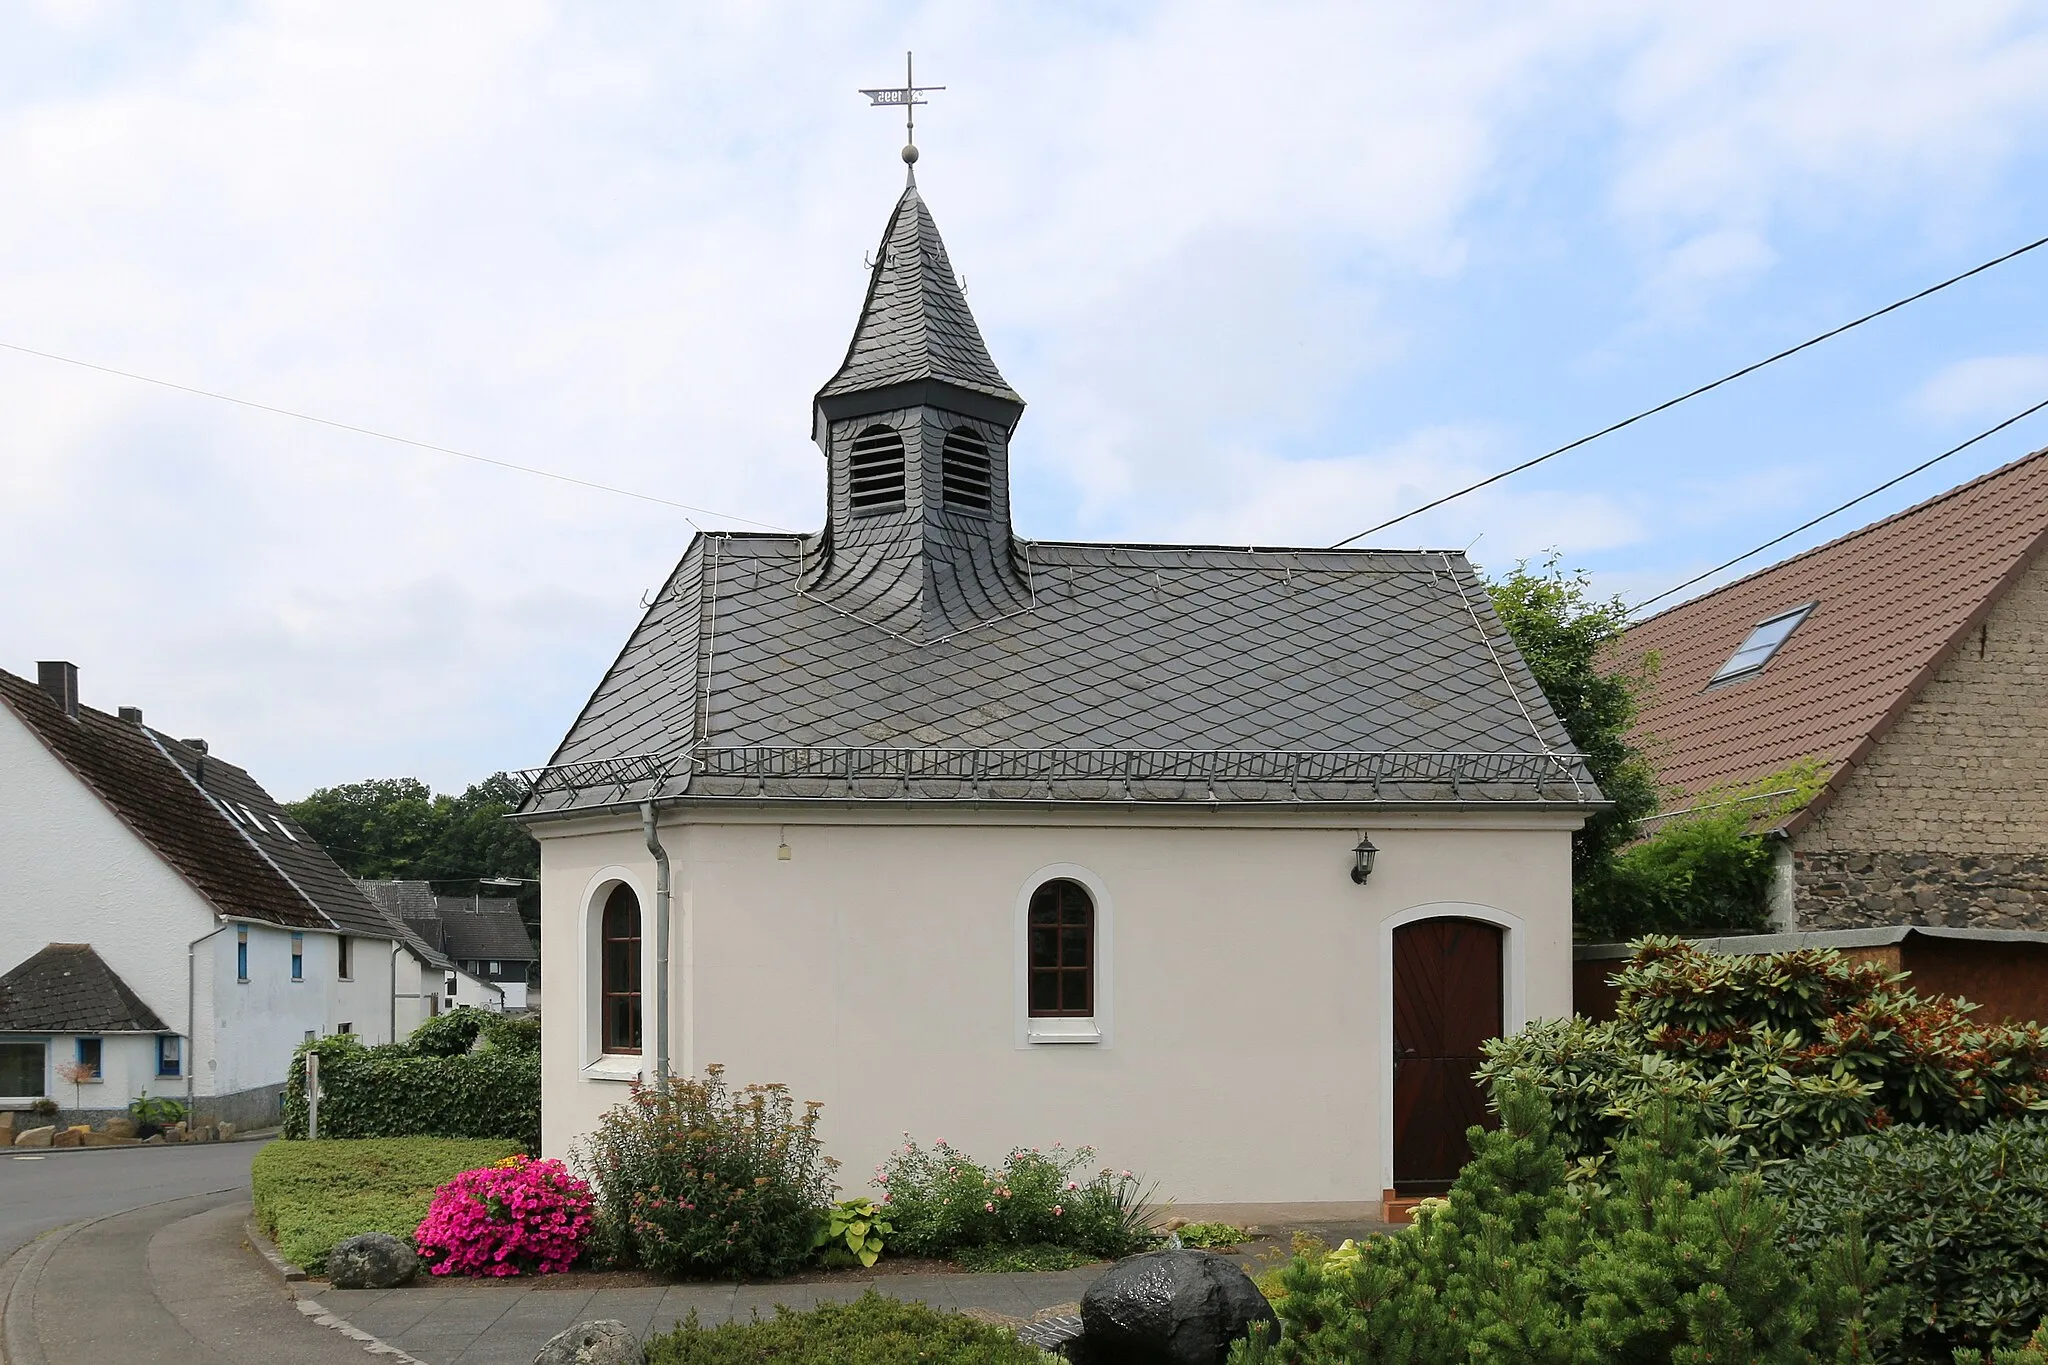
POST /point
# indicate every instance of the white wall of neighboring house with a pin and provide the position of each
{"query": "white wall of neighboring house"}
(363, 1000)
(476, 992)
(127, 1069)
(877, 969)
(515, 994)
(418, 991)
(74, 873)
(258, 1022)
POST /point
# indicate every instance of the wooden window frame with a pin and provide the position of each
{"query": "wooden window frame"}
(1073, 907)
(608, 987)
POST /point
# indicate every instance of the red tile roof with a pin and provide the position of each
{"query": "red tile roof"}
(1892, 598)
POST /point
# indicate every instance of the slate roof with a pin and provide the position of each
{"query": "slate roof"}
(1125, 648)
(484, 929)
(401, 901)
(922, 652)
(915, 323)
(69, 988)
(1893, 599)
(208, 819)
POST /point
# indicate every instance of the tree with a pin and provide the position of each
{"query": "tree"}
(1564, 634)
(396, 827)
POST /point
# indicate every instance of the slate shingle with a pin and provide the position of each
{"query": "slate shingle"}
(69, 988)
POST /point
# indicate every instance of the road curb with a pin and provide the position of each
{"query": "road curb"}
(376, 1346)
(273, 1259)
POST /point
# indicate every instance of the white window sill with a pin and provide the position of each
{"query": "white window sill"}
(1062, 1031)
(612, 1067)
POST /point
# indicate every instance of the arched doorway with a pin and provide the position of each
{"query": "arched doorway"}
(1448, 999)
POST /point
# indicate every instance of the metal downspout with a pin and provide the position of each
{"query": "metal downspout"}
(191, 1058)
(661, 903)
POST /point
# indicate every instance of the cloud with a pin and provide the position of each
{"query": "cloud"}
(1249, 269)
(1992, 386)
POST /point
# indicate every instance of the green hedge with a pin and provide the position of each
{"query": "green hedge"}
(1961, 1217)
(872, 1330)
(392, 1091)
(310, 1195)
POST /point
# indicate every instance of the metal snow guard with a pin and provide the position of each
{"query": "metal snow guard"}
(972, 771)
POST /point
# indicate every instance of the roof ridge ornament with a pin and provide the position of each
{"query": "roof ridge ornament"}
(907, 96)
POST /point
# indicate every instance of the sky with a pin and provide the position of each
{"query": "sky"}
(1263, 274)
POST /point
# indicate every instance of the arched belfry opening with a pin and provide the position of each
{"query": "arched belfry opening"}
(915, 427)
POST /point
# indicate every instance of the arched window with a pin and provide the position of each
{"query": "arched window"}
(964, 470)
(1062, 929)
(875, 469)
(619, 968)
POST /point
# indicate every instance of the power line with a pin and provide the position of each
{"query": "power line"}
(1860, 497)
(1694, 393)
(387, 436)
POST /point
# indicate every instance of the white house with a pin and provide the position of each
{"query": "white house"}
(214, 934)
(1222, 859)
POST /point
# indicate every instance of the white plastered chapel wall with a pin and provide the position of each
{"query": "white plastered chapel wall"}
(875, 970)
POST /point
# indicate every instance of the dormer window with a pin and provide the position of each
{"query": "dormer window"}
(1761, 645)
(875, 471)
(964, 470)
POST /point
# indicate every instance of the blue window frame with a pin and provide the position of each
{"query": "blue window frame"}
(89, 1055)
(298, 957)
(241, 954)
(170, 1055)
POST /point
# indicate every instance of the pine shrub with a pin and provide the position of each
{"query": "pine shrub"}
(1664, 1257)
(695, 1180)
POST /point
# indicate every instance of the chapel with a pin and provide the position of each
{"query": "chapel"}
(1224, 860)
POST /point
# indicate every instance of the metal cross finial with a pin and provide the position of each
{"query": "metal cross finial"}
(907, 96)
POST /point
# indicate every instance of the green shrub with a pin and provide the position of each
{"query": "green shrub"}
(310, 1195)
(2034, 1352)
(512, 1032)
(872, 1330)
(1211, 1236)
(449, 1034)
(1784, 1051)
(943, 1202)
(692, 1179)
(1665, 1259)
(393, 1091)
(854, 1232)
(1962, 1219)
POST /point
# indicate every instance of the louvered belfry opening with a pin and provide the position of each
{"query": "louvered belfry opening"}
(964, 470)
(875, 469)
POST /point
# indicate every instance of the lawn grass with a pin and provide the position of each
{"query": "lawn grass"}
(310, 1195)
(872, 1330)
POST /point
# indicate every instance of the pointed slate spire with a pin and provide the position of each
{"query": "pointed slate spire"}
(915, 324)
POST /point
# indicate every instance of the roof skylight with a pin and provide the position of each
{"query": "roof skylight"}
(1762, 643)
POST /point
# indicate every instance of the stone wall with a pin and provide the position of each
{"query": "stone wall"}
(1965, 771)
(1853, 890)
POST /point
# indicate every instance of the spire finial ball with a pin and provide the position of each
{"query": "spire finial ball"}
(910, 154)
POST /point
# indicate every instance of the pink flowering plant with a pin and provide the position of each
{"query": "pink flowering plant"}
(518, 1217)
(942, 1202)
(694, 1179)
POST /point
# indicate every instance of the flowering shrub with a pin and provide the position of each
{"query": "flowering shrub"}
(515, 1217)
(942, 1201)
(1783, 1050)
(693, 1179)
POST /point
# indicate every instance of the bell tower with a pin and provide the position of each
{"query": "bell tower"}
(915, 427)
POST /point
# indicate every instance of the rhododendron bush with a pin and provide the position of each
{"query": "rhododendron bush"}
(694, 1179)
(1781, 1051)
(518, 1217)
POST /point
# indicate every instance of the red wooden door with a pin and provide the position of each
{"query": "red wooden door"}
(1447, 1001)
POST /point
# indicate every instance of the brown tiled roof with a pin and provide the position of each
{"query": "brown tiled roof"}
(1892, 598)
(69, 988)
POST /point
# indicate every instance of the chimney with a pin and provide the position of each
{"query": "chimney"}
(131, 714)
(60, 680)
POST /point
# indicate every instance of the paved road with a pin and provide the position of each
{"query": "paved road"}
(47, 1190)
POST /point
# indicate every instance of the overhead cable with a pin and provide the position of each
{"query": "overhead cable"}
(387, 436)
(1860, 497)
(1695, 393)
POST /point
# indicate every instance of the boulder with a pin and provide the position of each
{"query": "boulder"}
(226, 1131)
(119, 1128)
(92, 1139)
(371, 1260)
(1172, 1307)
(603, 1342)
(6, 1125)
(67, 1137)
(201, 1133)
(36, 1137)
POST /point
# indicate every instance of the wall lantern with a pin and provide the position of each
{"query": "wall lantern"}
(1363, 856)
